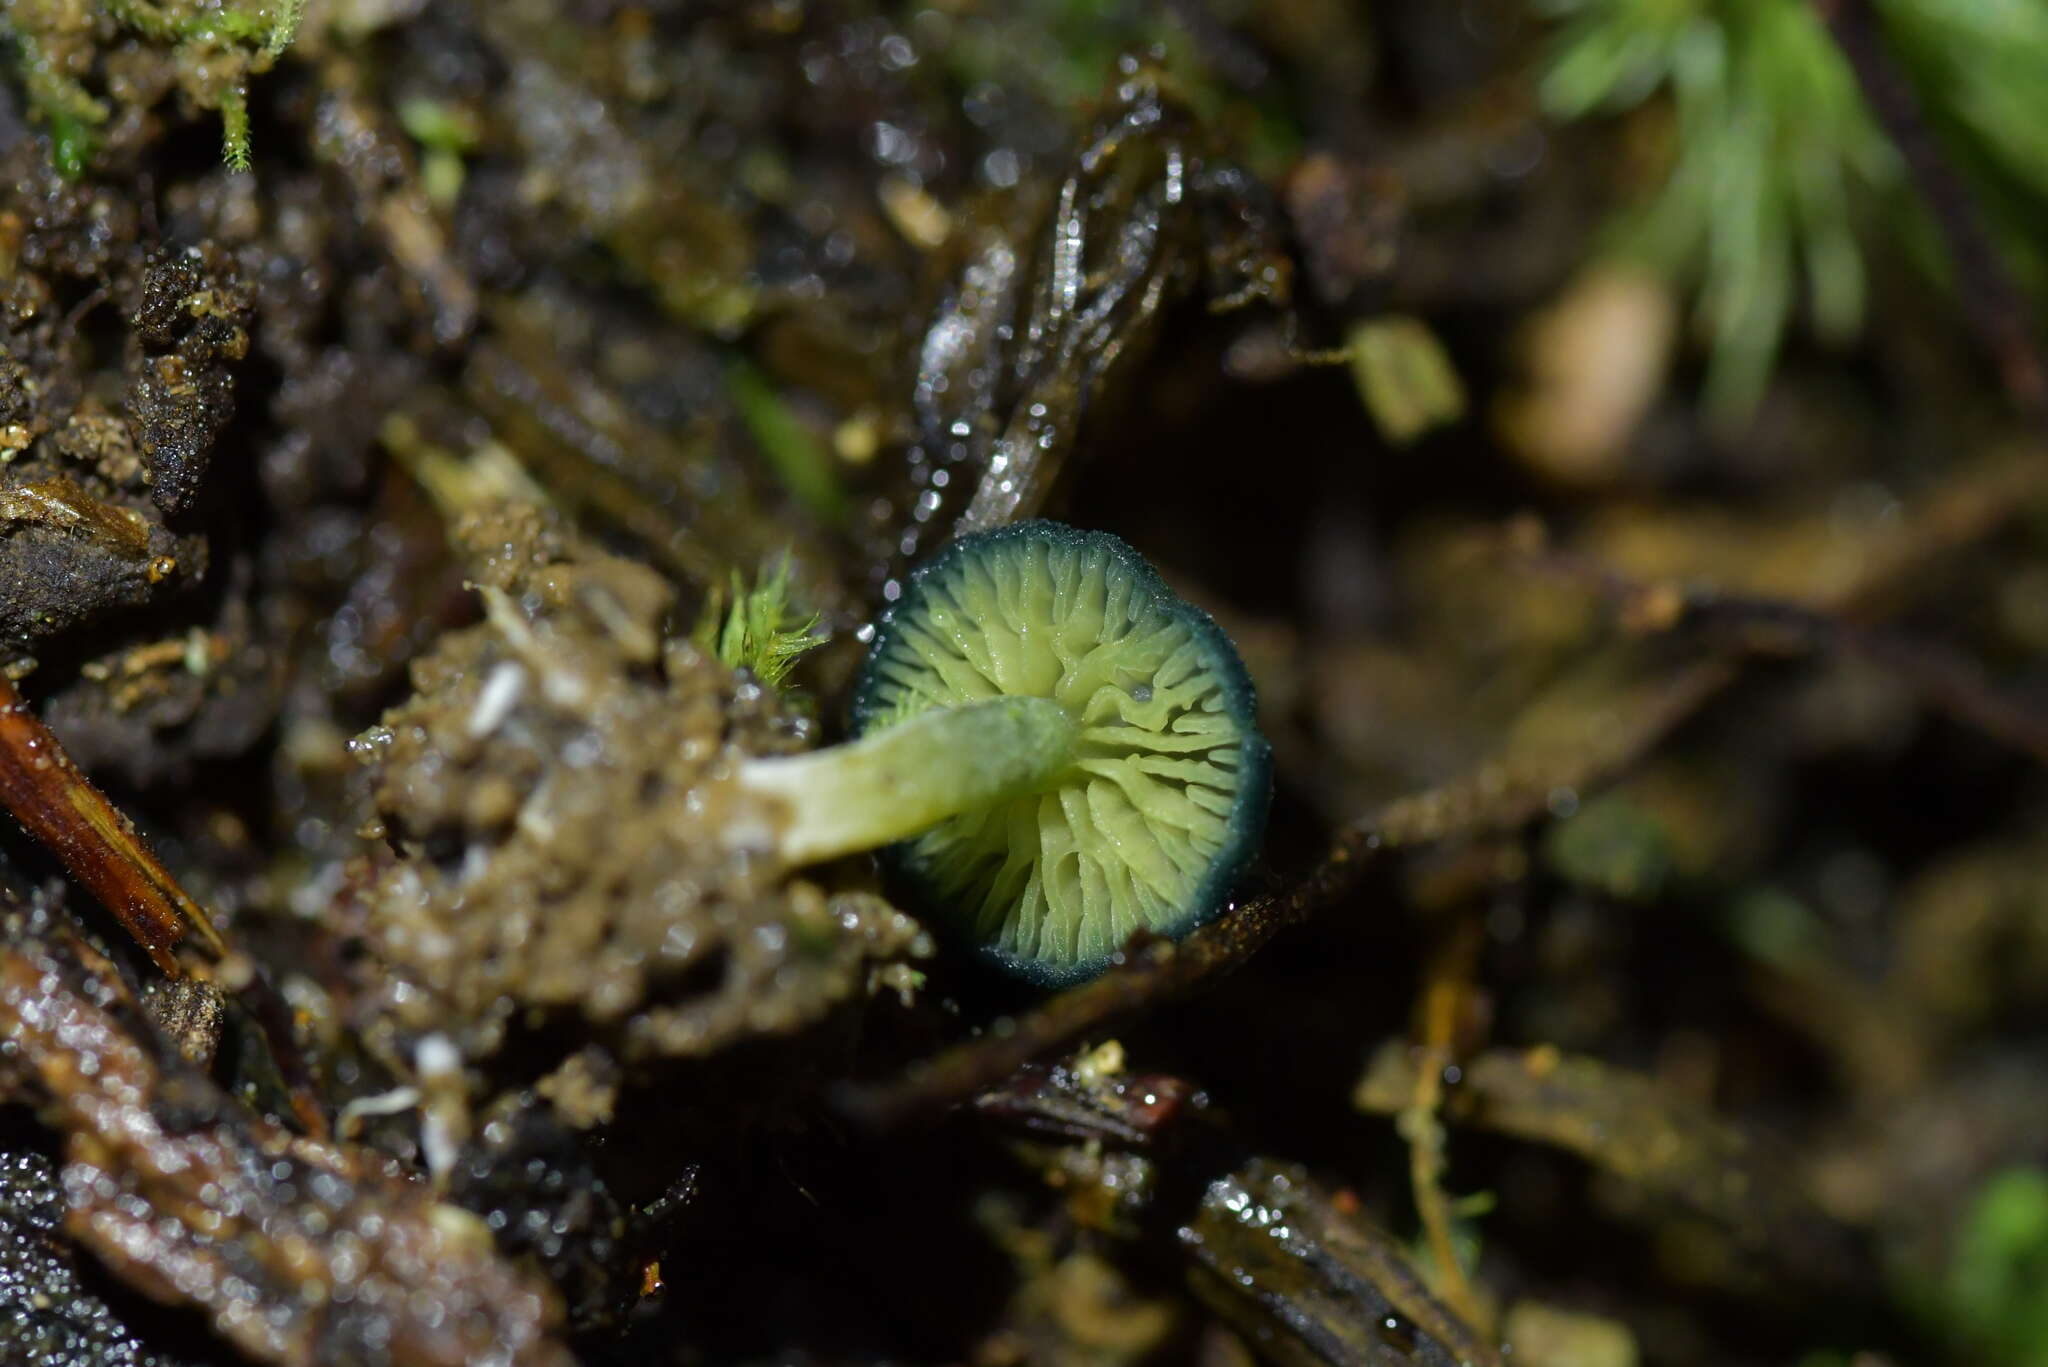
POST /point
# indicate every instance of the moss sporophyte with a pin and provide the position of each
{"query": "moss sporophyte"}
(1055, 749)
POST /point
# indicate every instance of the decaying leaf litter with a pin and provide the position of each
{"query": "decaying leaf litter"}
(1648, 958)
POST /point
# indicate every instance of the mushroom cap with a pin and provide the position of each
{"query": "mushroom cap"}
(1152, 825)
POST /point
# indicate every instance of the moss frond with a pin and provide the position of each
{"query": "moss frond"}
(234, 129)
(1778, 172)
(213, 50)
(760, 631)
(1773, 150)
(286, 17)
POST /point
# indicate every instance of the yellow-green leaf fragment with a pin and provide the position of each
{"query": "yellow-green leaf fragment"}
(1405, 377)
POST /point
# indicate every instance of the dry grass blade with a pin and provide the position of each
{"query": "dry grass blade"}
(1628, 1125)
(1446, 1001)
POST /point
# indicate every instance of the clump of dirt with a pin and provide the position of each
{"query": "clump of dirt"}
(119, 358)
(561, 821)
(190, 325)
(300, 1251)
(793, 293)
(84, 493)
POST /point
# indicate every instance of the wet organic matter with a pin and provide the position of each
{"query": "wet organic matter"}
(1610, 435)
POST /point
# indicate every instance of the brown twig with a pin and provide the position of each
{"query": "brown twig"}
(1640, 702)
(61, 808)
(1634, 1128)
(1991, 298)
(1146, 972)
(1946, 679)
(1499, 796)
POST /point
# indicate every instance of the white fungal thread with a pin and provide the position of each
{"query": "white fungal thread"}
(393, 1102)
(496, 699)
(444, 1111)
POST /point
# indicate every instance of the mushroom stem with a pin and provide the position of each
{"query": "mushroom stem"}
(894, 783)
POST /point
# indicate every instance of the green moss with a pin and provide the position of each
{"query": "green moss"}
(1775, 927)
(1405, 377)
(214, 48)
(1772, 148)
(234, 130)
(1778, 172)
(72, 142)
(760, 631)
(446, 133)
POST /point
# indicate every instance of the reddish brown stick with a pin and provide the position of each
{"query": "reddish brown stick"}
(60, 807)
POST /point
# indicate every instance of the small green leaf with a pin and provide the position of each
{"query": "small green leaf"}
(1405, 377)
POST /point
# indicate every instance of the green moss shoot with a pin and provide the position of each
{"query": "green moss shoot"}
(760, 631)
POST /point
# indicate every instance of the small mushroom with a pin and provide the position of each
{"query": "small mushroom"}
(1062, 750)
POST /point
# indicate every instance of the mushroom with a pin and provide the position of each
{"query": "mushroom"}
(1058, 751)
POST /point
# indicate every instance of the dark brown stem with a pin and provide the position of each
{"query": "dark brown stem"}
(1497, 797)
(1146, 972)
(1947, 681)
(1991, 298)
